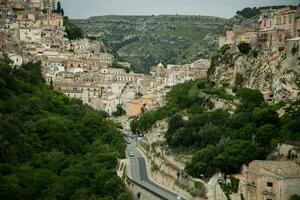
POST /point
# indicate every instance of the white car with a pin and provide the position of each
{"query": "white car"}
(131, 154)
(178, 197)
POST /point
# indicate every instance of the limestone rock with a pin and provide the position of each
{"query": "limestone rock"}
(273, 73)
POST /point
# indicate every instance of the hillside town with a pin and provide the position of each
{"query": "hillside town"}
(277, 30)
(32, 31)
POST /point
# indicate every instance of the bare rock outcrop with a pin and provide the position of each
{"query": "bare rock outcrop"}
(275, 74)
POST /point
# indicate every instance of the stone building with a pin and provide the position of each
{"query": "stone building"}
(249, 37)
(275, 27)
(233, 34)
(30, 35)
(297, 23)
(270, 180)
(16, 59)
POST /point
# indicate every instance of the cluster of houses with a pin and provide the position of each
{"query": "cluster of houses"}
(32, 30)
(277, 29)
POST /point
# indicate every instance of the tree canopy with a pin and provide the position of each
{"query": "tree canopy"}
(223, 140)
(254, 12)
(51, 146)
(73, 31)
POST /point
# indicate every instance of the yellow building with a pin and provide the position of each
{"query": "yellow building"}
(250, 38)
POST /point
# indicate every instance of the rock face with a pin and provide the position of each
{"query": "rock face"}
(275, 74)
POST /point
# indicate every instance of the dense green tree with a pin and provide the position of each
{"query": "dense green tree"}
(203, 163)
(265, 133)
(208, 135)
(117, 65)
(295, 197)
(119, 112)
(249, 12)
(224, 140)
(73, 32)
(51, 146)
(235, 154)
(244, 48)
(58, 6)
(250, 99)
(266, 116)
(255, 12)
(174, 123)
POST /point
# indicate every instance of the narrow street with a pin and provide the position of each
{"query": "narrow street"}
(138, 172)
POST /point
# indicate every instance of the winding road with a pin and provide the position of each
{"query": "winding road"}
(138, 172)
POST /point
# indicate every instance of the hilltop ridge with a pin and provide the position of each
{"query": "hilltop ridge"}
(147, 40)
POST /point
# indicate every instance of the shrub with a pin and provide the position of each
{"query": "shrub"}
(244, 48)
(254, 53)
(294, 50)
(224, 48)
(280, 49)
(239, 79)
(295, 197)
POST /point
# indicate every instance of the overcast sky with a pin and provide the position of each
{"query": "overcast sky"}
(222, 8)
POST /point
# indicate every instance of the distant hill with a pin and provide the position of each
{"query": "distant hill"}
(148, 40)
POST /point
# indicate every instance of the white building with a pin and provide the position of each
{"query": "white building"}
(30, 35)
(17, 59)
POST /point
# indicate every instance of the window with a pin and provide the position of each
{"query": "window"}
(280, 38)
(278, 20)
(269, 184)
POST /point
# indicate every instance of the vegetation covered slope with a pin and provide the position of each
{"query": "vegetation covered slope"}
(223, 139)
(147, 40)
(53, 147)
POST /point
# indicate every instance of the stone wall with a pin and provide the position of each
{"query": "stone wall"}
(139, 192)
(219, 193)
(164, 174)
(292, 186)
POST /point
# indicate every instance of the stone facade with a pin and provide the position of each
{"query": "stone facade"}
(270, 180)
(31, 35)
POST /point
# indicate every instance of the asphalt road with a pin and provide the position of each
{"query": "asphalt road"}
(138, 171)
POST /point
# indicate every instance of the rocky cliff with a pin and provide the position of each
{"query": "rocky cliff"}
(275, 74)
